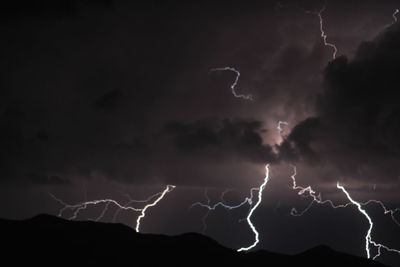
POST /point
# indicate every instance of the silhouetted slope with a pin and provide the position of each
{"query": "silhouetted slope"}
(46, 239)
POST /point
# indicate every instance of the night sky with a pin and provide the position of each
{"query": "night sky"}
(104, 98)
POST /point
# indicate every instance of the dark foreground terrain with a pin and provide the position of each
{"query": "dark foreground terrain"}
(45, 240)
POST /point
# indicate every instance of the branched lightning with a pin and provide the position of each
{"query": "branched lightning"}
(309, 192)
(131, 201)
(76, 208)
(318, 199)
(371, 224)
(247, 200)
(260, 191)
(368, 238)
(233, 85)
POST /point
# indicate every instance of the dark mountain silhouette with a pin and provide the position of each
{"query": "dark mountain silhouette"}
(45, 240)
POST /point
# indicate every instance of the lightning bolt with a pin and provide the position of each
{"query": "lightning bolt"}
(247, 200)
(323, 35)
(368, 238)
(233, 85)
(260, 191)
(168, 189)
(76, 208)
(309, 192)
(318, 199)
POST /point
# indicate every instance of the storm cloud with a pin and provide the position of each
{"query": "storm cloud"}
(357, 125)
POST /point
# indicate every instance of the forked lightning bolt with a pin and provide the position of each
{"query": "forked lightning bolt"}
(318, 199)
(260, 194)
(233, 85)
(76, 208)
(247, 200)
(368, 238)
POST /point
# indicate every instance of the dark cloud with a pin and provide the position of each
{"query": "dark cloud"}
(115, 89)
(46, 179)
(358, 124)
(239, 138)
(108, 101)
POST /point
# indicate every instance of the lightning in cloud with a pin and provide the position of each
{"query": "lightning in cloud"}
(279, 127)
(324, 36)
(233, 85)
(77, 208)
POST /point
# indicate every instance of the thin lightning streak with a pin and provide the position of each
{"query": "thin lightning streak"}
(233, 85)
(131, 201)
(103, 212)
(247, 200)
(396, 11)
(260, 191)
(81, 206)
(204, 219)
(222, 197)
(309, 192)
(168, 189)
(368, 238)
(324, 36)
